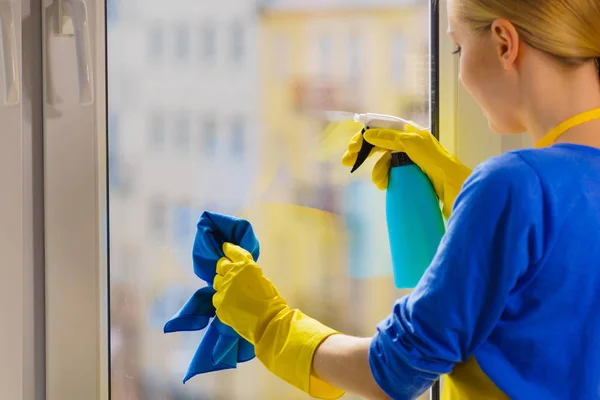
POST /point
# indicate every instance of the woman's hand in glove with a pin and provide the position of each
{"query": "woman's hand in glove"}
(285, 340)
(245, 300)
(445, 172)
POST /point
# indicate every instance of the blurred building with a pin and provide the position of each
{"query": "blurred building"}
(317, 55)
(219, 105)
(183, 123)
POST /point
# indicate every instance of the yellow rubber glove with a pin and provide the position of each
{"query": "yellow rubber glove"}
(445, 172)
(285, 340)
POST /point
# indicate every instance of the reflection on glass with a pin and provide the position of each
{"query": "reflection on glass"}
(245, 138)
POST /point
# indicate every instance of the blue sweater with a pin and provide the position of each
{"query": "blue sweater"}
(515, 284)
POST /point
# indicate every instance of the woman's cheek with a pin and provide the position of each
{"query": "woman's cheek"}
(466, 76)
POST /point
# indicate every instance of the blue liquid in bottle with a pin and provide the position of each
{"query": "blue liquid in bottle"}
(414, 220)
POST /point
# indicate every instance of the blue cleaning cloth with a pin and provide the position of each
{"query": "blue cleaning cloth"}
(221, 347)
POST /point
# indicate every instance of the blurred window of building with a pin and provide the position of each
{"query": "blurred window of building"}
(238, 43)
(356, 57)
(157, 218)
(399, 58)
(181, 133)
(207, 133)
(238, 136)
(281, 56)
(208, 43)
(325, 55)
(182, 42)
(156, 128)
(156, 42)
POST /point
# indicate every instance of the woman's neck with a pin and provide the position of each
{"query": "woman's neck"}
(557, 95)
(587, 134)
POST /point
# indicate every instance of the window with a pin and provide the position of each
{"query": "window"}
(355, 57)
(208, 43)
(156, 129)
(183, 223)
(157, 219)
(112, 11)
(399, 55)
(156, 42)
(238, 145)
(182, 42)
(208, 135)
(281, 56)
(325, 54)
(114, 161)
(237, 43)
(231, 119)
(181, 133)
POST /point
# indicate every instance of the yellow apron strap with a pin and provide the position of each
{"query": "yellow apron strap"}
(554, 134)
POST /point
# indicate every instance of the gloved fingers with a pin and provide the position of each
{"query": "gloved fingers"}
(218, 282)
(390, 139)
(217, 300)
(348, 159)
(236, 253)
(414, 127)
(381, 171)
(355, 143)
(226, 266)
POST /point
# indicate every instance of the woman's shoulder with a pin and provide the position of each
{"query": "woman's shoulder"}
(500, 182)
(511, 169)
(561, 163)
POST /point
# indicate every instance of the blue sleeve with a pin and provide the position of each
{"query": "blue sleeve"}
(492, 240)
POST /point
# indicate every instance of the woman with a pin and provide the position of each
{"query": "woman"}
(510, 306)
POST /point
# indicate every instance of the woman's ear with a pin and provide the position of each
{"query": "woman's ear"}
(506, 39)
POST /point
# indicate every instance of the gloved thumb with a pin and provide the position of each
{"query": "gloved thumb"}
(236, 253)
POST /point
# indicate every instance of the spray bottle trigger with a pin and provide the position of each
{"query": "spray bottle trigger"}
(363, 153)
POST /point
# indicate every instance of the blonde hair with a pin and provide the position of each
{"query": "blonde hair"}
(566, 29)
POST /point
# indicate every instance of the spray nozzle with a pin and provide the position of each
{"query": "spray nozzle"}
(373, 121)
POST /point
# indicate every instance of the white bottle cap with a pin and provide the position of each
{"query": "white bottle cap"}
(360, 118)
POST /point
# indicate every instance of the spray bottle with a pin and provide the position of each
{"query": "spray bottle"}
(414, 218)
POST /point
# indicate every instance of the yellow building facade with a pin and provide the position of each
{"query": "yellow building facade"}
(315, 58)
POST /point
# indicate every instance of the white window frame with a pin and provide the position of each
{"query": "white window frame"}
(22, 346)
(75, 209)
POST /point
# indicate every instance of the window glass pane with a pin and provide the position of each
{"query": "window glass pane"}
(226, 114)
